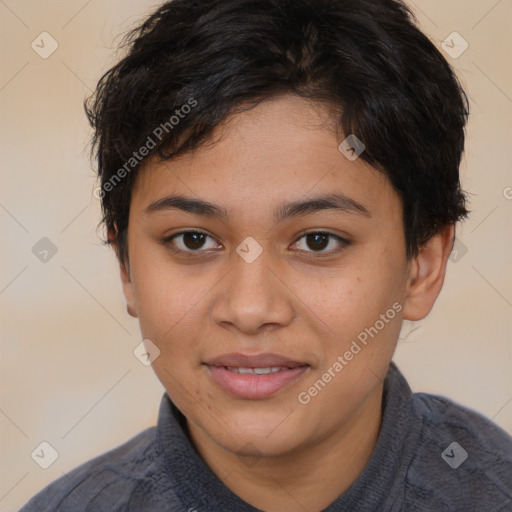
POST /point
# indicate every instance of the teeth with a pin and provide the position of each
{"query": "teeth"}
(255, 371)
(266, 371)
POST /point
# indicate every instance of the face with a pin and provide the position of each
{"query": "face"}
(297, 257)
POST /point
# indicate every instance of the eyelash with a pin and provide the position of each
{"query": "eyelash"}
(311, 254)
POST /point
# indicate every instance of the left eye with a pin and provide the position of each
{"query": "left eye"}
(319, 240)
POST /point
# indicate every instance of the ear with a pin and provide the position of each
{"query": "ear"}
(126, 281)
(426, 274)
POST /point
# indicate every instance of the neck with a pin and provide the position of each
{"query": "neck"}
(309, 478)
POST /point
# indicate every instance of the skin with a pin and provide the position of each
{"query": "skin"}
(276, 453)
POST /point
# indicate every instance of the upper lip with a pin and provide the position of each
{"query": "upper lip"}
(265, 360)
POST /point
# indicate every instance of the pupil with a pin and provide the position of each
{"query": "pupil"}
(193, 240)
(317, 238)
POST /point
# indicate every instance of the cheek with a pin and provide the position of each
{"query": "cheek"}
(158, 307)
(356, 301)
(168, 297)
(171, 315)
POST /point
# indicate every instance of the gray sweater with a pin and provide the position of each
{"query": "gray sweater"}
(432, 455)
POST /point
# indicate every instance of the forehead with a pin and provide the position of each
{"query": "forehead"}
(284, 149)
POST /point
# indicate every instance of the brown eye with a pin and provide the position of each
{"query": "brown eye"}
(318, 241)
(193, 240)
(190, 241)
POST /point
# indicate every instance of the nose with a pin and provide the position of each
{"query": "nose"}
(254, 297)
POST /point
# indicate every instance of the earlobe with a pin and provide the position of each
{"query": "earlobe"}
(426, 274)
(128, 290)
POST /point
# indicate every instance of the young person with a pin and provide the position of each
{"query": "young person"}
(280, 183)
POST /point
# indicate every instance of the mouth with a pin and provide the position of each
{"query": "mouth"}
(256, 371)
(254, 377)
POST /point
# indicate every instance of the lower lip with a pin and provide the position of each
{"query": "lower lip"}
(254, 386)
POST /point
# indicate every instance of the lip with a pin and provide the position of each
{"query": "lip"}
(253, 361)
(254, 387)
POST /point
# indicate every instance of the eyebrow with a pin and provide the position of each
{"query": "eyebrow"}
(337, 202)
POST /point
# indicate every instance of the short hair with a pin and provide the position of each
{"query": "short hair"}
(193, 63)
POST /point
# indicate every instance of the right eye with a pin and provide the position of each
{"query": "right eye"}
(191, 241)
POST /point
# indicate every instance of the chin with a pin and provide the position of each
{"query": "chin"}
(257, 433)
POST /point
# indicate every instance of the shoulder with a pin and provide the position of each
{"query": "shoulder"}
(462, 461)
(103, 483)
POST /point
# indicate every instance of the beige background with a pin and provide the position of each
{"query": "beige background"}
(68, 375)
